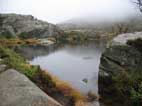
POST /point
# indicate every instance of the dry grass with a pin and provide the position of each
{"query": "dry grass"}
(10, 41)
(68, 90)
(17, 41)
(31, 41)
(81, 103)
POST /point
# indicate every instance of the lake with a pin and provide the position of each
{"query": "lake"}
(75, 64)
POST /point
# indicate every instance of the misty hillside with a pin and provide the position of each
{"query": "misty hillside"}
(93, 26)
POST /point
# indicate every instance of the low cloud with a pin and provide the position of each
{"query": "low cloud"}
(56, 11)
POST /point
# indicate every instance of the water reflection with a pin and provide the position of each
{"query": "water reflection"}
(32, 51)
(71, 63)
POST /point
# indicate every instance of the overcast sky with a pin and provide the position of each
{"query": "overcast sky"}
(56, 11)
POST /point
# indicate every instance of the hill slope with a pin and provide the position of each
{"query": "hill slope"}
(26, 26)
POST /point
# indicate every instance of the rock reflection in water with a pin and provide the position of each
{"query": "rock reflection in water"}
(71, 63)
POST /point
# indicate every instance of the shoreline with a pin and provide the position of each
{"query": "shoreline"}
(53, 86)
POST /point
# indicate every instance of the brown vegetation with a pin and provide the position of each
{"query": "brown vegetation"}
(16, 41)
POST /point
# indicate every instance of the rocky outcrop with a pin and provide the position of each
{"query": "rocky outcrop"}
(18, 90)
(26, 26)
(122, 58)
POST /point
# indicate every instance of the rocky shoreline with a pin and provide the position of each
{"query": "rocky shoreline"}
(52, 86)
(120, 71)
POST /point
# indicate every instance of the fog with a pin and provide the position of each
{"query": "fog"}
(56, 11)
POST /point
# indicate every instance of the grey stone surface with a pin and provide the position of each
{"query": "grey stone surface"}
(18, 90)
(15, 24)
(2, 67)
(119, 56)
(123, 38)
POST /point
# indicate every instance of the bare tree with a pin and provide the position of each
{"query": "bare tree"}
(139, 3)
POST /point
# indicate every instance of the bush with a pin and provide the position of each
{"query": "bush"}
(136, 90)
(23, 35)
(130, 86)
(136, 97)
(6, 35)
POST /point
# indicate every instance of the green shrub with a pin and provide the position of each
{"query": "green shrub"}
(23, 35)
(136, 96)
(136, 89)
(6, 35)
(130, 86)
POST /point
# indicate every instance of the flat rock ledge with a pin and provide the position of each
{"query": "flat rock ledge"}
(17, 90)
(123, 38)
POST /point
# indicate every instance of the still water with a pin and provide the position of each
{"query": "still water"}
(75, 64)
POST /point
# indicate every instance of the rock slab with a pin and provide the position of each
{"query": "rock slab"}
(17, 90)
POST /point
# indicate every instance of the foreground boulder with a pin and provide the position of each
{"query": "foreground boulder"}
(26, 26)
(120, 75)
(18, 90)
